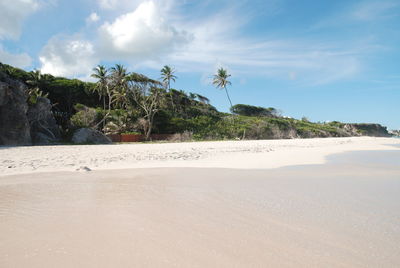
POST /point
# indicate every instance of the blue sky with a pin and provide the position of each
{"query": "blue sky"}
(326, 60)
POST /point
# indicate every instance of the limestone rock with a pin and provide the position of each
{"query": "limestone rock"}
(44, 128)
(14, 125)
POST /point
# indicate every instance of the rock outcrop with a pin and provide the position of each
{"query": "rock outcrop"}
(90, 136)
(291, 131)
(374, 130)
(14, 124)
(44, 129)
(21, 124)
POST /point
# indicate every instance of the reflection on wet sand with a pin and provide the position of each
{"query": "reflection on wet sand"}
(343, 214)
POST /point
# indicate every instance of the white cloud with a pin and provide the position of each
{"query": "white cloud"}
(154, 34)
(141, 34)
(12, 15)
(217, 42)
(94, 17)
(18, 60)
(68, 56)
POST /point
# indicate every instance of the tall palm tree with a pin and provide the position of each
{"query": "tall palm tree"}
(102, 87)
(167, 74)
(220, 80)
(119, 81)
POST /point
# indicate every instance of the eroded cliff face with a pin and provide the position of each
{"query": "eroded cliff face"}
(43, 126)
(21, 124)
(374, 130)
(14, 124)
(350, 130)
(292, 132)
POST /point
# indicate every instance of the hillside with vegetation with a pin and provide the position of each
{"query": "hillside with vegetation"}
(127, 102)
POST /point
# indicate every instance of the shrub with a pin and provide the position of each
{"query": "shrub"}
(181, 137)
(85, 117)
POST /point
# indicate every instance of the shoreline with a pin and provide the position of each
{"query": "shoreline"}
(252, 154)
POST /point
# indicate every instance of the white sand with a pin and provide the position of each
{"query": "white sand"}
(222, 154)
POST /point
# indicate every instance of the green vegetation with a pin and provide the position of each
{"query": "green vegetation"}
(127, 102)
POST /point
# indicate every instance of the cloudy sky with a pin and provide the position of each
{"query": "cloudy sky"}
(326, 60)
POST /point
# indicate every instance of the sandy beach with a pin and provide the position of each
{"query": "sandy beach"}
(217, 154)
(283, 203)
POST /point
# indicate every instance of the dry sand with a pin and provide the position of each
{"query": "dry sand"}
(225, 154)
(343, 211)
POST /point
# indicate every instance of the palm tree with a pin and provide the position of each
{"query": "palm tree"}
(119, 81)
(102, 87)
(221, 81)
(38, 80)
(35, 79)
(101, 74)
(167, 74)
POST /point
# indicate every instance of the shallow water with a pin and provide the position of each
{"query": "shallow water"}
(389, 158)
(342, 214)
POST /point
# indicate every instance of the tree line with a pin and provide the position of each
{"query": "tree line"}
(118, 88)
(120, 101)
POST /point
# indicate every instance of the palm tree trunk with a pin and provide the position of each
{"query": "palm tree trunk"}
(104, 111)
(171, 97)
(226, 91)
(109, 101)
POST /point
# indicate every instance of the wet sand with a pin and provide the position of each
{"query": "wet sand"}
(345, 213)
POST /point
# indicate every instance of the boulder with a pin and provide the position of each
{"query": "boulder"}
(44, 128)
(14, 124)
(91, 136)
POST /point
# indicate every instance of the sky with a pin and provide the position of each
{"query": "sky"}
(325, 60)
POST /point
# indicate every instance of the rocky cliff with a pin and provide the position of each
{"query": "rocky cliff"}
(43, 126)
(14, 124)
(291, 128)
(348, 130)
(21, 124)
